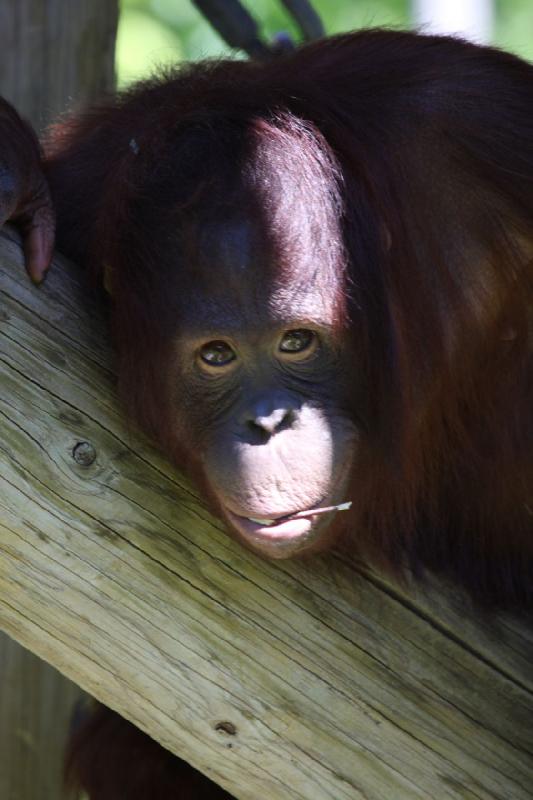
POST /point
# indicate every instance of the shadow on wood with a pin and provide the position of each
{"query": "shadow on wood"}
(312, 679)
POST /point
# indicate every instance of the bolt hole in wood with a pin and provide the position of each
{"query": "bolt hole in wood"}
(84, 454)
(226, 727)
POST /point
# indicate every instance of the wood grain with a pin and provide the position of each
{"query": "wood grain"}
(315, 679)
(56, 55)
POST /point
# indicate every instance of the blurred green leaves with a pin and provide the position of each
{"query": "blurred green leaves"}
(160, 32)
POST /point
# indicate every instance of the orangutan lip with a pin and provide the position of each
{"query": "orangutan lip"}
(310, 512)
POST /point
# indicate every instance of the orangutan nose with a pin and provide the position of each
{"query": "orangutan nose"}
(278, 420)
(267, 418)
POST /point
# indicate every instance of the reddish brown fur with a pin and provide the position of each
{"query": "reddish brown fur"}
(424, 146)
(430, 141)
(113, 760)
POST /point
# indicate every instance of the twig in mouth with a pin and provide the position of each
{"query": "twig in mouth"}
(312, 511)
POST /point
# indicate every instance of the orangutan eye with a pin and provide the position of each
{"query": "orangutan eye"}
(217, 354)
(297, 341)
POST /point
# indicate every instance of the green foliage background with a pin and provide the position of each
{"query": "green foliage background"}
(153, 32)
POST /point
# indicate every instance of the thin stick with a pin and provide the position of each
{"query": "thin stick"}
(312, 511)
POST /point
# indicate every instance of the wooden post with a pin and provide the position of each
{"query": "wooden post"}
(53, 55)
(35, 714)
(56, 54)
(305, 680)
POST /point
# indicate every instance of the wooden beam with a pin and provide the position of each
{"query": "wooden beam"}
(314, 679)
